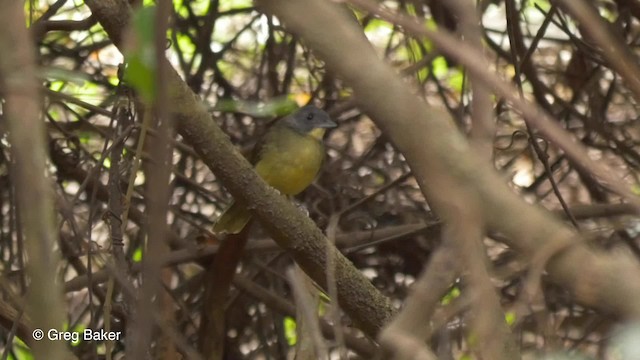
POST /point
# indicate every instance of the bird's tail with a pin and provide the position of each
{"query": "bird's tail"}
(233, 220)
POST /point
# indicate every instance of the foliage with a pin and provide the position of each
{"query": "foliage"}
(248, 69)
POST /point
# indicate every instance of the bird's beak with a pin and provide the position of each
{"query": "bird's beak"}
(328, 124)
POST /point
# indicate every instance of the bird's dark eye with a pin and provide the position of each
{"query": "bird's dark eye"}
(309, 116)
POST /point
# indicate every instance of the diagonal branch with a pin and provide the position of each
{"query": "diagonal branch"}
(289, 227)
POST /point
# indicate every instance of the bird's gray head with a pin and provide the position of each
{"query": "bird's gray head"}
(308, 118)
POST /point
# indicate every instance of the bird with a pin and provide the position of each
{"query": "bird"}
(288, 158)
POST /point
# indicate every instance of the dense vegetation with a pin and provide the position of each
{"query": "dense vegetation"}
(481, 187)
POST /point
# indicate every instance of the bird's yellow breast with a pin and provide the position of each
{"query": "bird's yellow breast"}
(289, 161)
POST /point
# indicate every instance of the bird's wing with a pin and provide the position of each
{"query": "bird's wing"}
(259, 147)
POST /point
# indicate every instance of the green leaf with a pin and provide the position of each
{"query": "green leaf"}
(451, 295)
(79, 328)
(141, 58)
(542, 4)
(456, 80)
(84, 137)
(290, 330)
(185, 45)
(137, 255)
(21, 350)
(440, 67)
(234, 4)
